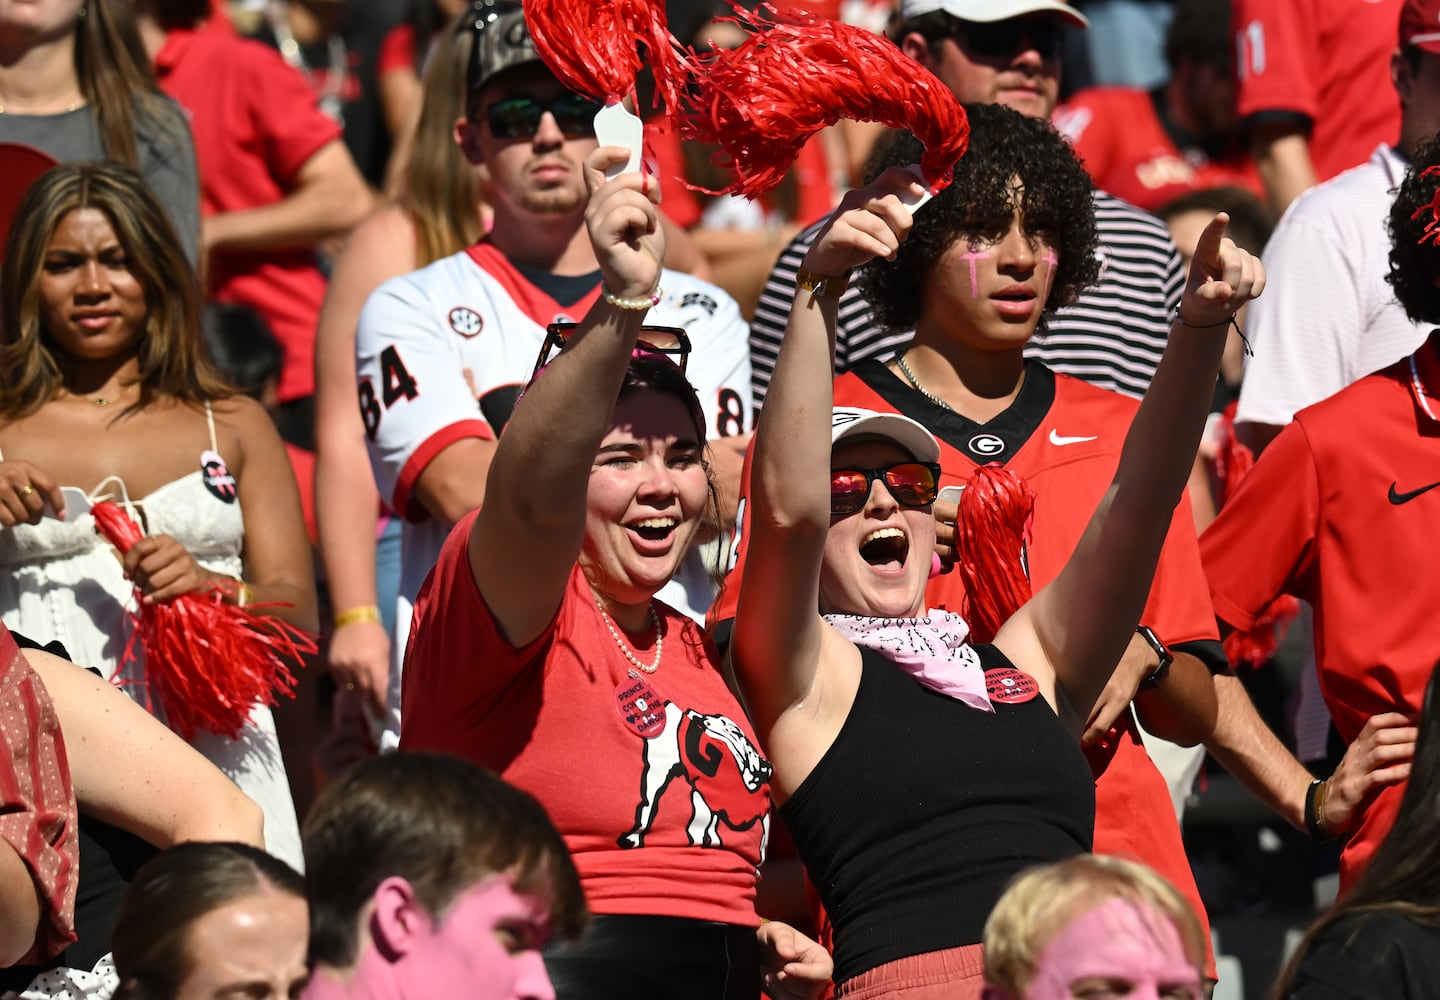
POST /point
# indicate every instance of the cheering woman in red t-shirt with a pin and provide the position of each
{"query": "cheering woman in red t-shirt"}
(539, 650)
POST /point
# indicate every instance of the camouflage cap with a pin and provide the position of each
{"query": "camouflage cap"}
(502, 41)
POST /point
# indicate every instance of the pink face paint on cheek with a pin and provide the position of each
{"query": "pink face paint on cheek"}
(461, 957)
(1052, 259)
(1115, 941)
(974, 253)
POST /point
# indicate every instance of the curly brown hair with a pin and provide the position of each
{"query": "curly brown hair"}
(1414, 256)
(1057, 202)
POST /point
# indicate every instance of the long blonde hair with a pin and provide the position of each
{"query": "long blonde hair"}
(439, 185)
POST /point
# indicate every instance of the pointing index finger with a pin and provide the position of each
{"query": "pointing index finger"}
(1207, 250)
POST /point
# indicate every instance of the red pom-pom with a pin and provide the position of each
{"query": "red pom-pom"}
(762, 101)
(595, 48)
(1251, 648)
(1233, 460)
(992, 529)
(207, 662)
(1432, 228)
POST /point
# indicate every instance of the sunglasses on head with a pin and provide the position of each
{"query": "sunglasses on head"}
(1007, 39)
(668, 342)
(518, 117)
(912, 484)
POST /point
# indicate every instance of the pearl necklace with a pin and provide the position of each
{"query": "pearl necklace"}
(648, 668)
(900, 360)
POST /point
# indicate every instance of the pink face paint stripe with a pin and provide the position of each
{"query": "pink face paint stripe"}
(1054, 262)
(972, 257)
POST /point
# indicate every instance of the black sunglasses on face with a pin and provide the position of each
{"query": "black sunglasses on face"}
(668, 342)
(518, 117)
(912, 484)
(1007, 39)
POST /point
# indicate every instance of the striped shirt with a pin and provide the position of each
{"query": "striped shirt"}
(1112, 336)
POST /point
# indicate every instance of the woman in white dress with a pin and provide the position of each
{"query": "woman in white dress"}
(106, 393)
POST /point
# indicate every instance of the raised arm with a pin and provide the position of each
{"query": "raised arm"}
(1077, 628)
(526, 538)
(779, 638)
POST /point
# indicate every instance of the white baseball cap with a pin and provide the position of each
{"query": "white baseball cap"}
(848, 422)
(986, 11)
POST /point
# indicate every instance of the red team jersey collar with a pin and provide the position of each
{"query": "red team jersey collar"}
(1425, 377)
(532, 301)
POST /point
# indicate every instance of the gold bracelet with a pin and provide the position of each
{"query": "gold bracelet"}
(822, 285)
(242, 594)
(350, 616)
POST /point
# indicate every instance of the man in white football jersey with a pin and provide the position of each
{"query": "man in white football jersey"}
(442, 352)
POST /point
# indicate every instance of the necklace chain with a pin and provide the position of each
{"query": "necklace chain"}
(79, 98)
(900, 360)
(648, 668)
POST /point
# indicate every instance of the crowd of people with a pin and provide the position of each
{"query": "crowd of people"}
(835, 594)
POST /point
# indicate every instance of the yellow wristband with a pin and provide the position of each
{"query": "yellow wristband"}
(365, 613)
(824, 286)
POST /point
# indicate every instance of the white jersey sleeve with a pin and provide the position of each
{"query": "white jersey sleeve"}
(415, 398)
(719, 366)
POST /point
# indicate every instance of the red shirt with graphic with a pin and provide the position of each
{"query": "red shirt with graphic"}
(1340, 511)
(1117, 132)
(654, 780)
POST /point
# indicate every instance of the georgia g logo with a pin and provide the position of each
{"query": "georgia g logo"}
(725, 775)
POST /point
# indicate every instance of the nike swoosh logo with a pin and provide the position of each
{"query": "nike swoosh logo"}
(1056, 439)
(1397, 498)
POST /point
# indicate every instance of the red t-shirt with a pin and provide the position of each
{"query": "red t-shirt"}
(1063, 437)
(256, 123)
(1340, 511)
(1326, 62)
(654, 780)
(1128, 152)
(397, 51)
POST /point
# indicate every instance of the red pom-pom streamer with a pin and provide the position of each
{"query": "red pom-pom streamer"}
(1251, 648)
(762, 101)
(992, 529)
(594, 46)
(208, 662)
(1432, 228)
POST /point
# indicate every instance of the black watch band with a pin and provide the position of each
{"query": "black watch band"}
(1162, 651)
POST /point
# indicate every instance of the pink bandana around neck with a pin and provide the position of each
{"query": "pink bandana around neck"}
(932, 649)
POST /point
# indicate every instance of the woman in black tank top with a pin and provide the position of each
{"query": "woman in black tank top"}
(918, 773)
